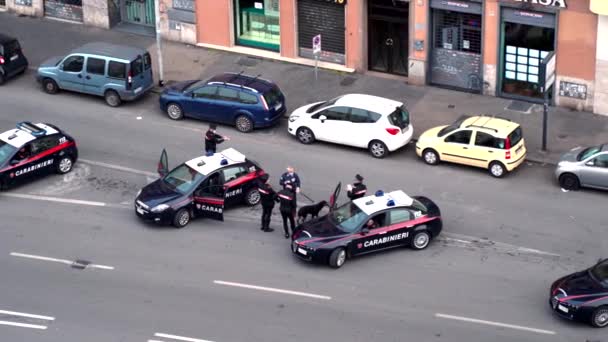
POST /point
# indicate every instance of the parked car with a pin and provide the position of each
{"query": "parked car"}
(247, 102)
(482, 141)
(116, 72)
(12, 59)
(375, 123)
(584, 167)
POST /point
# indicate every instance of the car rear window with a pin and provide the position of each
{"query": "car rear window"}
(147, 61)
(516, 136)
(137, 66)
(10, 48)
(117, 70)
(400, 118)
(273, 96)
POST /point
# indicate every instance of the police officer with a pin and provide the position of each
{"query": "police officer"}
(291, 177)
(357, 189)
(268, 198)
(212, 138)
(288, 207)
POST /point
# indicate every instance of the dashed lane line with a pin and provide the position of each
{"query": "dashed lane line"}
(24, 325)
(495, 324)
(54, 199)
(271, 289)
(179, 338)
(61, 261)
(22, 314)
(26, 315)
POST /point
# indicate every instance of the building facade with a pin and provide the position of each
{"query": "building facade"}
(600, 7)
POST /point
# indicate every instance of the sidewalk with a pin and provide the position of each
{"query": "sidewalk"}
(429, 106)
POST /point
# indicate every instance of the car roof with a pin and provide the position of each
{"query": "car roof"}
(499, 126)
(5, 38)
(110, 50)
(249, 82)
(370, 103)
(209, 163)
(26, 132)
(380, 201)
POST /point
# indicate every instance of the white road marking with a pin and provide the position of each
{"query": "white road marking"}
(21, 314)
(24, 325)
(118, 167)
(181, 338)
(62, 261)
(468, 240)
(55, 199)
(496, 324)
(271, 289)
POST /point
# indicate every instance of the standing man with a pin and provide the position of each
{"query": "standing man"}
(291, 177)
(357, 189)
(288, 206)
(212, 139)
(268, 198)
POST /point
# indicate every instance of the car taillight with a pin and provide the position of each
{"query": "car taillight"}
(508, 148)
(392, 131)
(130, 80)
(264, 103)
(1, 60)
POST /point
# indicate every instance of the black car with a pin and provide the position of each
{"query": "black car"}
(12, 60)
(34, 150)
(365, 225)
(583, 296)
(201, 187)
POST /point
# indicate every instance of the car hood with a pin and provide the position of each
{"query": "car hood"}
(51, 62)
(321, 227)
(157, 193)
(571, 156)
(578, 284)
(430, 134)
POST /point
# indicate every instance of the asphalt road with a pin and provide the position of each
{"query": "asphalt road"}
(505, 241)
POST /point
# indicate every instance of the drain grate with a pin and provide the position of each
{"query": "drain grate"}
(80, 264)
(248, 61)
(520, 106)
(348, 81)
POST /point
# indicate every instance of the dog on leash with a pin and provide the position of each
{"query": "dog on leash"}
(312, 210)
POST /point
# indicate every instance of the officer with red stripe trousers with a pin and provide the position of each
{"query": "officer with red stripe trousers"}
(288, 207)
(357, 189)
(268, 198)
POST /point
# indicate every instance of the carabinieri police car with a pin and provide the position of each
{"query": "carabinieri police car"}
(34, 150)
(365, 225)
(201, 187)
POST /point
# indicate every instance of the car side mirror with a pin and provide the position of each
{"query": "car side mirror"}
(590, 163)
(322, 118)
(365, 231)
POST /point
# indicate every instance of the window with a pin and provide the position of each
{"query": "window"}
(485, 140)
(10, 48)
(600, 271)
(588, 152)
(212, 186)
(117, 70)
(247, 98)
(205, 92)
(257, 23)
(273, 96)
(457, 31)
(322, 105)
(96, 66)
(399, 215)
(601, 161)
(44, 144)
(454, 126)
(515, 136)
(336, 113)
(400, 118)
(233, 173)
(348, 217)
(137, 66)
(378, 221)
(228, 94)
(73, 64)
(183, 179)
(360, 116)
(147, 61)
(460, 137)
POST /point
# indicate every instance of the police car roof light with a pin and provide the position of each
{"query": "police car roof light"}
(224, 162)
(390, 203)
(30, 128)
(379, 193)
(12, 136)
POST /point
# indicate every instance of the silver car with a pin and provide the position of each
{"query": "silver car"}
(584, 167)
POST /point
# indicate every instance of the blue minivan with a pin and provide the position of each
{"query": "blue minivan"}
(116, 72)
(247, 102)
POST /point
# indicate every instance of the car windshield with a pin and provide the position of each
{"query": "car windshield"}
(322, 105)
(454, 126)
(195, 85)
(6, 151)
(183, 179)
(400, 117)
(588, 152)
(600, 272)
(348, 217)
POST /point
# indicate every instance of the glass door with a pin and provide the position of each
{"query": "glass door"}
(140, 12)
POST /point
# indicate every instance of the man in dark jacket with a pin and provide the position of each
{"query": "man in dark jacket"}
(357, 189)
(212, 139)
(288, 207)
(268, 198)
(291, 177)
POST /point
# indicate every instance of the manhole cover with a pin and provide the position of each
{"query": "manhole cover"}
(348, 81)
(80, 264)
(247, 61)
(520, 106)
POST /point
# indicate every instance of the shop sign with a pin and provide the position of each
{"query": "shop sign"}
(551, 3)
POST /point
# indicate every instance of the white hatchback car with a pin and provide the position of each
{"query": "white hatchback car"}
(378, 124)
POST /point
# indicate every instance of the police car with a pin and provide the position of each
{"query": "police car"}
(34, 150)
(201, 187)
(368, 224)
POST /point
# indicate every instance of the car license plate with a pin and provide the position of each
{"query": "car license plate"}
(301, 251)
(562, 308)
(138, 90)
(139, 210)
(14, 57)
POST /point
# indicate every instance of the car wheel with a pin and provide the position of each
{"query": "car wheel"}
(244, 124)
(430, 157)
(174, 111)
(569, 181)
(599, 318)
(65, 165)
(337, 258)
(421, 240)
(181, 218)
(2, 79)
(112, 98)
(252, 197)
(497, 169)
(378, 149)
(50, 86)
(305, 135)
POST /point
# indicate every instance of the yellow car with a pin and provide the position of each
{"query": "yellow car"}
(482, 141)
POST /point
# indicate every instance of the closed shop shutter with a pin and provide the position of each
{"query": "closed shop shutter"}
(325, 18)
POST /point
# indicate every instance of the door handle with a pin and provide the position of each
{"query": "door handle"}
(465, 148)
(490, 151)
(88, 77)
(389, 41)
(79, 75)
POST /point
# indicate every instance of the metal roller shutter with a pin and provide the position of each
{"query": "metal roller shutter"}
(325, 18)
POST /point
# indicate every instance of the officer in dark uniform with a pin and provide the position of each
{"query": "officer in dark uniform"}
(291, 177)
(212, 139)
(268, 198)
(357, 189)
(288, 207)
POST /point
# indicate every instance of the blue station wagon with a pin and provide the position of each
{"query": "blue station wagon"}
(116, 72)
(247, 102)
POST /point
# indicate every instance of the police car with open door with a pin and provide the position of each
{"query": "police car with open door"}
(34, 150)
(368, 224)
(201, 187)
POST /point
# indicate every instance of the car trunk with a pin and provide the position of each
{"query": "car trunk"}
(12, 55)
(275, 100)
(140, 73)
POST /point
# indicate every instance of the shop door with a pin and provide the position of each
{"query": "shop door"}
(139, 12)
(388, 36)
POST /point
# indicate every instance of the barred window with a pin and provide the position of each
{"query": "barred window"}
(457, 31)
